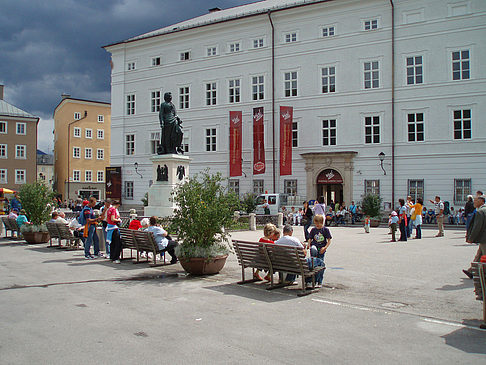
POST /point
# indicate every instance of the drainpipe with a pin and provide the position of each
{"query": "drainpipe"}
(273, 101)
(393, 99)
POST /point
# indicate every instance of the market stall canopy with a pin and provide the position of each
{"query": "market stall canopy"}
(6, 191)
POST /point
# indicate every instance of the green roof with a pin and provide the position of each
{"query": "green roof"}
(9, 110)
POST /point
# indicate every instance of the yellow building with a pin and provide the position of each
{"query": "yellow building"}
(81, 147)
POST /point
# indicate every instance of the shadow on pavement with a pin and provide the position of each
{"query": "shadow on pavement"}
(466, 283)
(467, 340)
(254, 292)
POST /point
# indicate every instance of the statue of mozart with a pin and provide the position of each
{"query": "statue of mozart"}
(170, 123)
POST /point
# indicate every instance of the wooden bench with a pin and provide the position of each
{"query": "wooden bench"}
(140, 241)
(128, 241)
(6, 223)
(61, 231)
(479, 279)
(11, 225)
(53, 233)
(275, 258)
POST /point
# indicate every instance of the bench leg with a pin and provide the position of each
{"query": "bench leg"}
(243, 281)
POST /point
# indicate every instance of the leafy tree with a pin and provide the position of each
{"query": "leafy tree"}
(248, 203)
(36, 199)
(371, 205)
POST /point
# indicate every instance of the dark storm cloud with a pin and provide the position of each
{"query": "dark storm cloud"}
(48, 47)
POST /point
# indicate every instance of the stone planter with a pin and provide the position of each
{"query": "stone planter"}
(375, 222)
(203, 266)
(36, 237)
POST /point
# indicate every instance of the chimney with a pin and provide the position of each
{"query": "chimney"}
(65, 96)
(1, 92)
(214, 10)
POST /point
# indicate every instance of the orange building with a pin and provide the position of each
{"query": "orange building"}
(81, 147)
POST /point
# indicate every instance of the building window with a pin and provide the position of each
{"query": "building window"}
(234, 91)
(19, 176)
(211, 51)
(184, 97)
(155, 61)
(20, 151)
(211, 139)
(3, 127)
(88, 153)
(76, 175)
(290, 83)
(415, 127)
(100, 154)
(258, 43)
(258, 186)
(329, 132)
(372, 129)
(88, 176)
(154, 142)
(290, 37)
(290, 187)
(100, 134)
(131, 66)
(416, 189)
(88, 133)
(129, 144)
(21, 128)
(462, 188)
(234, 47)
(234, 186)
(185, 143)
(77, 116)
(211, 93)
(371, 24)
(372, 187)
(460, 65)
(3, 176)
(462, 124)
(76, 152)
(371, 75)
(77, 132)
(415, 70)
(328, 79)
(131, 104)
(328, 31)
(3, 151)
(185, 56)
(100, 176)
(155, 101)
(257, 87)
(295, 135)
(101, 118)
(129, 189)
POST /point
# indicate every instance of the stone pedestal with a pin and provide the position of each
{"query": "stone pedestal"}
(159, 193)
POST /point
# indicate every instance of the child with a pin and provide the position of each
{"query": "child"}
(22, 219)
(270, 231)
(393, 224)
(319, 238)
(367, 223)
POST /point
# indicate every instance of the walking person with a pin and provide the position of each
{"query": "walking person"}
(477, 230)
(393, 225)
(469, 210)
(439, 214)
(320, 207)
(307, 219)
(402, 220)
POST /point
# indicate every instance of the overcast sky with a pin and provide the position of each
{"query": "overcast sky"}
(50, 47)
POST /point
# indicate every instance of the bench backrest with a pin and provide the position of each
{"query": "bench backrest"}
(125, 222)
(52, 229)
(287, 258)
(145, 241)
(479, 279)
(6, 223)
(13, 224)
(64, 232)
(251, 254)
(127, 238)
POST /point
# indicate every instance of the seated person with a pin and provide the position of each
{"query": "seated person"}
(340, 216)
(77, 229)
(330, 217)
(288, 240)
(163, 243)
(298, 217)
(14, 213)
(285, 213)
(134, 222)
(21, 219)
(270, 234)
(430, 216)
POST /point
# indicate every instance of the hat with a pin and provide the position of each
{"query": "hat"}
(393, 213)
(85, 203)
(133, 211)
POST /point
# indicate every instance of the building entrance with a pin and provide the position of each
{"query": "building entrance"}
(330, 186)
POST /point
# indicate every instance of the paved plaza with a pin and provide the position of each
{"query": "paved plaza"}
(382, 303)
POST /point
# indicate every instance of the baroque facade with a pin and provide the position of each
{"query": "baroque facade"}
(397, 78)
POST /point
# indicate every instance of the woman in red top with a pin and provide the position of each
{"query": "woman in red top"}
(271, 234)
(134, 222)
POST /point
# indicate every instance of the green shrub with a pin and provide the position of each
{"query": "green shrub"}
(36, 199)
(371, 205)
(248, 203)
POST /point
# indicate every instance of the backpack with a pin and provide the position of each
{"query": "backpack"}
(82, 218)
(446, 208)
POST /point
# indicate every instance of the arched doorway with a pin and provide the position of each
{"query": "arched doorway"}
(330, 186)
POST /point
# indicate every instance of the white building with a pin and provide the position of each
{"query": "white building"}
(405, 78)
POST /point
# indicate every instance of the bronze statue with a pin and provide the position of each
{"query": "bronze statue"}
(181, 172)
(171, 137)
(162, 173)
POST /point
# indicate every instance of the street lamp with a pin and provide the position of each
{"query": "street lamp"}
(136, 169)
(381, 156)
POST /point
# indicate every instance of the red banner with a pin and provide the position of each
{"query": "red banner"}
(258, 142)
(235, 143)
(286, 117)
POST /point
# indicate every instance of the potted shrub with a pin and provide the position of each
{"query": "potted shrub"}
(371, 206)
(36, 199)
(248, 202)
(204, 208)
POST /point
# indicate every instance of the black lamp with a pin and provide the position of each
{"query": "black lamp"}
(382, 157)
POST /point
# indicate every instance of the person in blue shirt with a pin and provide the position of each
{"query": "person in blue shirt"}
(15, 203)
(352, 210)
(21, 219)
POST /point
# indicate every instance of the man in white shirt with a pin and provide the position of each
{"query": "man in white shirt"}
(439, 214)
(160, 236)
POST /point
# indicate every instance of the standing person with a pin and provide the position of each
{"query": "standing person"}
(439, 214)
(90, 222)
(418, 217)
(307, 219)
(113, 242)
(408, 206)
(393, 225)
(266, 207)
(104, 221)
(367, 224)
(352, 210)
(402, 220)
(15, 203)
(469, 210)
(320, 207)
(160, 236)
(477, 230)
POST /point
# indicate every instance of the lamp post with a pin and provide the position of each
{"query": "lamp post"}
(136, 169)
(381, 156)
